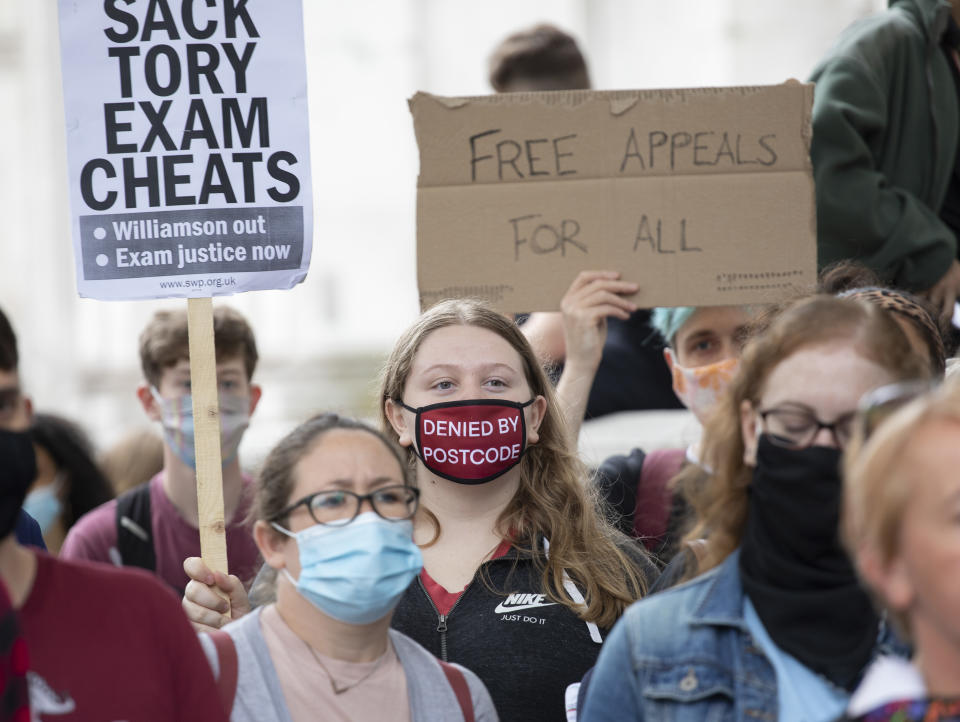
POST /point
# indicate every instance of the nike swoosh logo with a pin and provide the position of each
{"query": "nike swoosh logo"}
(503, 610)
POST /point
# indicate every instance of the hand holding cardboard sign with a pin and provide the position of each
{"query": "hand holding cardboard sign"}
(591, 299)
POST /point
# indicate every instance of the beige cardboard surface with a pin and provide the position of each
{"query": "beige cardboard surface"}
(702, 196)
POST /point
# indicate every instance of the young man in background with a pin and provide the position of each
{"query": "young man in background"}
(155, 526)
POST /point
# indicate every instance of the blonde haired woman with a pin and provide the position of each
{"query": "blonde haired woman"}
(522, 575)
(901, 511)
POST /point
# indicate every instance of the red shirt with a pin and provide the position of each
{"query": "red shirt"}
(444, 600)
(94, 537)
(111, 645)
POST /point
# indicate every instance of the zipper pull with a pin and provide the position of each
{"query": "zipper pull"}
(442, 624)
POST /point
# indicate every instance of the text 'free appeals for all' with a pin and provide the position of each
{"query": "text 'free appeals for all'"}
(700, 196)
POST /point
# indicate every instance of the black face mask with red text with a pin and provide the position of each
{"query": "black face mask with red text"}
(472, 441)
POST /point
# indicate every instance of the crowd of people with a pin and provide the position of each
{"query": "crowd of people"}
(458, 561)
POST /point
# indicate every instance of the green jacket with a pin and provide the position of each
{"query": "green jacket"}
(885, 130)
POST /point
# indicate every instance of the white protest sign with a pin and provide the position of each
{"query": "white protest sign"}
(188, 146)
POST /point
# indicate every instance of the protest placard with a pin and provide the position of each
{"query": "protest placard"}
(189, 171)
(701, 196)
(187, 146)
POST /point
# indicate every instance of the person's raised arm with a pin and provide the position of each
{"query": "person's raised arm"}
(861, 213)
(204, 606)
(591, 298)
(544, 331)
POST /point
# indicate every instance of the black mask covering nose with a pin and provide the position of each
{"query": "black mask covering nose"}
(18, 469)
(794, 569)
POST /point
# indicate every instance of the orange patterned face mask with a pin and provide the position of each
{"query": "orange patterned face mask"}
(700, 387)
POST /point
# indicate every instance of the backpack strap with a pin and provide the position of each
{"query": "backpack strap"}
(654, 497)
(460, 688)
(135, 529)
(227, 658)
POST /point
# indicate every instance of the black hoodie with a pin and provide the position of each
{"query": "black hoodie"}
(525, 648)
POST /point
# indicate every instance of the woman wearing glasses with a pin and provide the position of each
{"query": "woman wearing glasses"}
(778, 627)
(334, 506)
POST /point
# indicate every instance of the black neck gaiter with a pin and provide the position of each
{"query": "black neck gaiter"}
(795, 571)
(18, 469)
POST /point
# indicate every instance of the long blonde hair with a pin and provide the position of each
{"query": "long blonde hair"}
(720, 503)
(553, 500)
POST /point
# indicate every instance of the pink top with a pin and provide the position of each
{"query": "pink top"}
(94, 537)
(306, 684)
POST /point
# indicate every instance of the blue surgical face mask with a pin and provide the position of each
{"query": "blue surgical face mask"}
(44, 504)
(356, 573)
(176, 417)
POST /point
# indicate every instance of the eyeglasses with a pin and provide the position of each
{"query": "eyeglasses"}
(340, 507)
(796, 427)
(878, 405)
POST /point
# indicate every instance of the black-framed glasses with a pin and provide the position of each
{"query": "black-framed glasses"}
(337, 507)
(795, 427)
(881, 403)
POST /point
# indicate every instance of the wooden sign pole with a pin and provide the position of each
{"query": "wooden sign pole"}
(206, 419)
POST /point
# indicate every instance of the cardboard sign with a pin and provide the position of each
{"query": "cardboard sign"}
(187, 144)
(701, 196)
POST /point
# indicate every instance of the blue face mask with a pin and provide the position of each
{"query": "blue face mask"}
(356, 573)
(177, 420)
(44, 504)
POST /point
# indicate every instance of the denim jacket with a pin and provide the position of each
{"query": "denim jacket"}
(685, 655)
